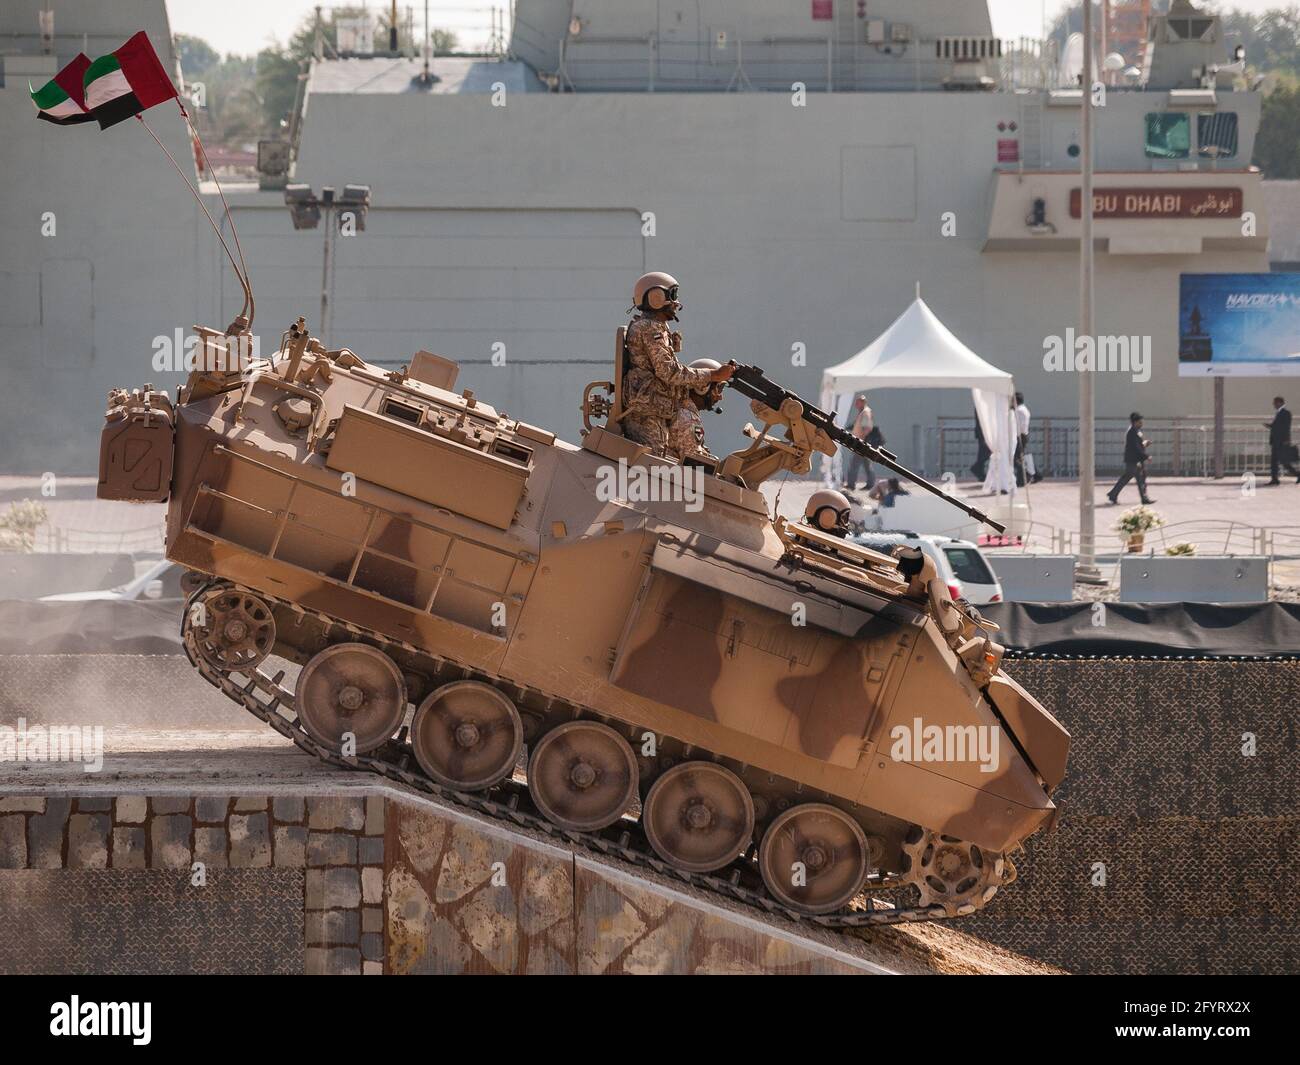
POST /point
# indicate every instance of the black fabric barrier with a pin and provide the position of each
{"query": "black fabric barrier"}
(1204, 630)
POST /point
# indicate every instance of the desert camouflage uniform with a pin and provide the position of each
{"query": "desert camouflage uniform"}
(655, 389)
(686, 435)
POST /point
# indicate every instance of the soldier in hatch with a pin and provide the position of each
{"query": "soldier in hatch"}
(828, 511)
(656, 387)
(686, 435)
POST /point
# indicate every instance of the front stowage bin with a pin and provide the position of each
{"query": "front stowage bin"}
(135, 447)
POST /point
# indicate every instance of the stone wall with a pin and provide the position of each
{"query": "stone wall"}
(1200, 842)
(185, 883)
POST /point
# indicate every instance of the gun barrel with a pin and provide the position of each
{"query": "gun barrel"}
(751, 381)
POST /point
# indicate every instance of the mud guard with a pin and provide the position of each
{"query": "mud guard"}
(1045, 741)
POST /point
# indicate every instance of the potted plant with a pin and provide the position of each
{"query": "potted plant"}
(1182, 549)
(1134, 524)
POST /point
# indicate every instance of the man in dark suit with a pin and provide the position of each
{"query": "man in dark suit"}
(1135, 461)
(1281, 453)
(980, 467)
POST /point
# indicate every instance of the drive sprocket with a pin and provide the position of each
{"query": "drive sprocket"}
(948, 872)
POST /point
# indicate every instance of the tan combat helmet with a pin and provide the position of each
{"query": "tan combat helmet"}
(708, 394)
(656, 291)
(828, 510)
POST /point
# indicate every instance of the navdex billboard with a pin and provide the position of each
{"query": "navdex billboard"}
(1238, 325)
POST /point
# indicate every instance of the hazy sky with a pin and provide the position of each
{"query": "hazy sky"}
(245, 26)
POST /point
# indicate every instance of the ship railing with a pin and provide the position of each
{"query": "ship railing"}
(652, 63)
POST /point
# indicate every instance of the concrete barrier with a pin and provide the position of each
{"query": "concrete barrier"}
(1034, 578)
(32, 576)
(1164, 579)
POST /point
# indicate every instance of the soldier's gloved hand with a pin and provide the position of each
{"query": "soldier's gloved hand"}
(723, 373)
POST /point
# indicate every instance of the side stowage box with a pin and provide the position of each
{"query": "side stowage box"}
(415, 462)
(135, 447)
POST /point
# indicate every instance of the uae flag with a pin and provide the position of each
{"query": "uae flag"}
(62, 100)
(126, 82)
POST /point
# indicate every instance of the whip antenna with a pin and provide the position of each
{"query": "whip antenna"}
(246, 308)
(207, 164)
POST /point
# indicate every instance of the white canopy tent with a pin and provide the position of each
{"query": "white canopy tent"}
(919, 351)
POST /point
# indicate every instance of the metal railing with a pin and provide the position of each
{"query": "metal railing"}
(821, 63)
(1211, 537)
(1180, 447)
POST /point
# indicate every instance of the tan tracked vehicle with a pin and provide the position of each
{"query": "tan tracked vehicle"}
(473, 603)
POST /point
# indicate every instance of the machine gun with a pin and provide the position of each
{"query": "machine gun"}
(753, 382)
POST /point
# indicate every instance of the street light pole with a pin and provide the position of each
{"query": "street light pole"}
(323, 325)
(306, 210)
(1087, 564)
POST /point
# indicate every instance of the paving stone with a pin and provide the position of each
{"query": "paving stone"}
(372, 947)
(343, 961)
(211, 809)
(210, 847)
(372, 919)
(330, 813)
(171, 841)
(97, 804)
(250, 803)
(371, 850)
(313, 962)
(290, 846)
(290, 809)
(128, 848)
(22, 804)
(250, 840)
(131, 809)
(170, 804)
(333, 927)
(333, 889)
(374, 815)
(331, 848)
(372, 968)
(314, 926)
(45, 835)
(88, 841)
(372, 885)
(13, 842)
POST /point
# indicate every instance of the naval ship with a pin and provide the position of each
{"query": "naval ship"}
(799, 167)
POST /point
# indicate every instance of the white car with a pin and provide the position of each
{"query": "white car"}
(161, 580)
(960, 563)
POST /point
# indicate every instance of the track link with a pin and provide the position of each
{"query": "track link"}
(263, 695)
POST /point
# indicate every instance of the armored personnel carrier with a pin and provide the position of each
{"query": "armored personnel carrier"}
(626, 651)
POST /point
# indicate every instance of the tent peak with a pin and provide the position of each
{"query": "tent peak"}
(916, 351)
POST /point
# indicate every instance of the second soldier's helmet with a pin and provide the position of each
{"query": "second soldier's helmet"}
(711, 390)
(828, 510)
(656, 291)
